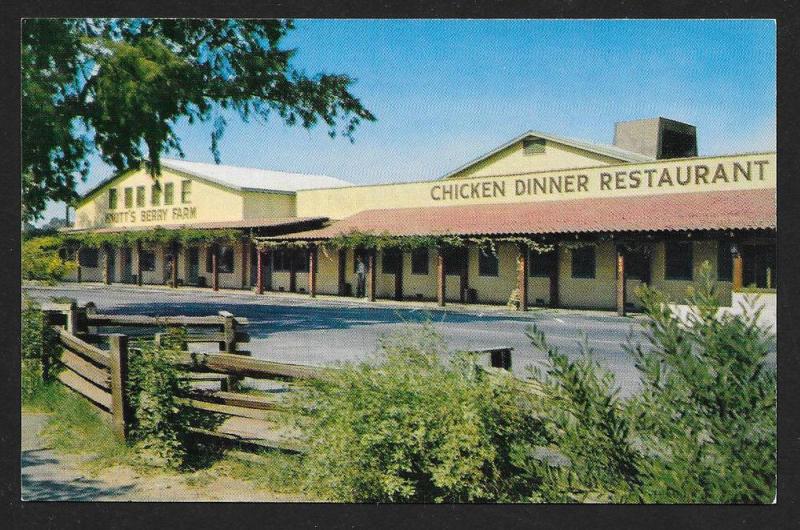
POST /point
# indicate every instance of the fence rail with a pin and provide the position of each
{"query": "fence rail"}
(101, 375)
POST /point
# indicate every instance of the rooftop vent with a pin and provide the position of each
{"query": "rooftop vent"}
(657, 137)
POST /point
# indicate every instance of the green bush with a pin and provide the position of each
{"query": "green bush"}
(39, 347)
(40, 260)
(707, 410)
(408, 428)
(162, 419)
(703, 427)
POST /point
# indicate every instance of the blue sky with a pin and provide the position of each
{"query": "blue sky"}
(446, 91)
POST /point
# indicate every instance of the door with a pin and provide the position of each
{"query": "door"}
(759, 266)
(127, 265)
(193, 266)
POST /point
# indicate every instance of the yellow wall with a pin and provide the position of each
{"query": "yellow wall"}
(338, 203)
(513, 160)
(211, 202)
(259, 205)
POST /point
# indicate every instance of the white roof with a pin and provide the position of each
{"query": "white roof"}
(253, 179)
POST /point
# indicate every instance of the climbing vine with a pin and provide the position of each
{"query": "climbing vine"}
(159, 235)
(367, 240)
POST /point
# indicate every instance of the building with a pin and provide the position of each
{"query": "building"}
(602, 219)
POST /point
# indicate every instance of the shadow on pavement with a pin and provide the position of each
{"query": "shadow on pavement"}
(41, 481)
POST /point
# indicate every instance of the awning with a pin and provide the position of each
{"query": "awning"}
(718, 210)
(285, 223)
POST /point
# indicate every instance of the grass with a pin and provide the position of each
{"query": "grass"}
(76, 428)
(74, 421)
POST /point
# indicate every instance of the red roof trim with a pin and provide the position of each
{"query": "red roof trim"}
(718, 210)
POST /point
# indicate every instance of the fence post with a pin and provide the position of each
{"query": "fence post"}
(501, 358)
(72, 318)
(90, 310)
(120, 400)
(228, 345)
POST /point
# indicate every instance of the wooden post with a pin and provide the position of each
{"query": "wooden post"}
(245, 261)
(371, 275)
(214, 268)
(107, 265)
(89, 310)
(292, 270)
(312, 270)
(78, 263)
(738, 271)
(554, 301)
(260, 271)
(174, 271)
(440, 277)
(463, 283)
(398, 277)
(342, 271)
(522, 277)
(120, 400)
(621, 280)
(501, 358)
(72, 318)
(139, 262)
(228, 345)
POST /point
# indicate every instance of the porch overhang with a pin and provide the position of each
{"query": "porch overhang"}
(748, 210)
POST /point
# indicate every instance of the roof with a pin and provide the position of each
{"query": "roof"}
(253, 179)
(284, 222)
(241, 178)
(716, 210)
(601, 149)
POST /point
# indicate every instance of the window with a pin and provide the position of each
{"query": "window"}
(583, 262)
(169, 193)
(419, 261)
(224, 259)
(88, 257)
(147, 259)
(281, 260)
(186, 191)
(390, 260)
(724, 261)
(541, 265)
(155, 194)
(128, 197)
(112, 199)
(140, 196)
(678, 260)
(533, 146)
(488, 263)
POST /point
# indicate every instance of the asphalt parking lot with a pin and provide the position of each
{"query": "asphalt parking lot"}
(301, 330)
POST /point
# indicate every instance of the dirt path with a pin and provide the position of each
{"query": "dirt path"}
(51, 476)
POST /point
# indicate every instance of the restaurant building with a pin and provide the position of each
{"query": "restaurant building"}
(540, 221)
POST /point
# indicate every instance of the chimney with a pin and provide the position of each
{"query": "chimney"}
(659, 138)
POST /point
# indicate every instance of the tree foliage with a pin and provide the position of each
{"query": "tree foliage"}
(121, 85)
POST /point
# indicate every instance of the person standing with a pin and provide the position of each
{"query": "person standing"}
(361, 273)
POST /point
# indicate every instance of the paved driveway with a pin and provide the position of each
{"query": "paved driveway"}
(301, 330)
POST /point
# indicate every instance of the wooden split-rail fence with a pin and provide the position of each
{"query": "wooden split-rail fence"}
(100, 374)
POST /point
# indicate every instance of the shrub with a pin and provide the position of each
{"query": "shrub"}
(587, 420)
(409, 428)
(703, 428)
(39, 347)
(162, 419)
(40, 260)
(707, 410)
